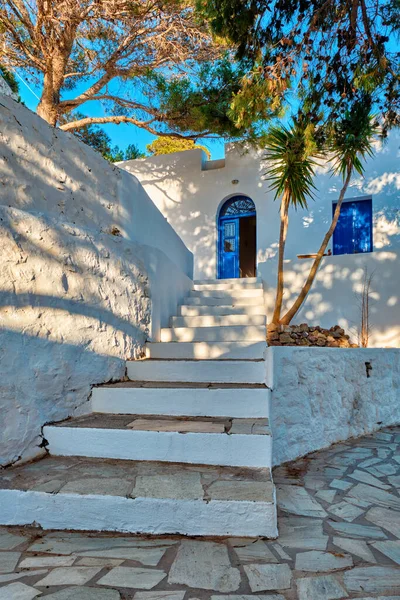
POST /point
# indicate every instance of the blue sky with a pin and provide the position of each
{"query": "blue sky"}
(121, 135)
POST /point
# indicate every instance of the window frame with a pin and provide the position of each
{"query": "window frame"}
(371, 222)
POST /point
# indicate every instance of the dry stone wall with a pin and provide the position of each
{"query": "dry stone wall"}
(74, 305)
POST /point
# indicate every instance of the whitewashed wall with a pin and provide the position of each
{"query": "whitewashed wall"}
(189, 194)
(47, 170)
(73, 306)
(323, 395)
(75, 301)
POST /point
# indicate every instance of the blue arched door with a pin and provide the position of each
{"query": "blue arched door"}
(237, 238)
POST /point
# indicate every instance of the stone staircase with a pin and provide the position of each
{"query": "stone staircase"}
(183, 447)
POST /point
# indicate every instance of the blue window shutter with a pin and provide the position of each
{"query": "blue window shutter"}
(353, 232)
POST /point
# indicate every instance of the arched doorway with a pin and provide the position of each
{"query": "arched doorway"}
(237, 238)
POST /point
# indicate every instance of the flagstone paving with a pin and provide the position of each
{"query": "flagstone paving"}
(339, 537)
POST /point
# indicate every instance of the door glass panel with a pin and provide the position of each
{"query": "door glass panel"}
(229, 230)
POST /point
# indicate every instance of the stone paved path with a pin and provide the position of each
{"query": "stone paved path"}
(339, 523)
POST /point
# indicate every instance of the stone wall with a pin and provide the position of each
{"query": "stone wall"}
(325, 395)
(74, 306)
(306, 335)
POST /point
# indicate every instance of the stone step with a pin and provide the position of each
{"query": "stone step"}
(182, 400)
(137, 497)
(195, 311)
(216, 441)
(201, 371)
(226, 286)
(229, 294)
(206, 350)
(245, 281)
(214, 334)
(223, 301)
(218, 320)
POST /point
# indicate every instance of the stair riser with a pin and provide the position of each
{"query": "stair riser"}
(197, 311)
(214, 334)
(227, 301)
(141, 515)
(234, 294)
(206, 350)
(203, 371)
(240, 402)
(246, 281)
(189, 448)
(218, 321)
(227, 287)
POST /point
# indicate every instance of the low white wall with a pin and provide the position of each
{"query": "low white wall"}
(47, 170)
(323, 395)
(335, 298)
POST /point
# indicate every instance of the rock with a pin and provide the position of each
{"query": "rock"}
(357, 547)
(297, 500)
(326, 587)
(84, 593)
(18, 591)
(8, 561)
(268, 577)
(317, 561)
(132, 577)
(285, 338)
(372, 579)
(204, 565)
(69, 576)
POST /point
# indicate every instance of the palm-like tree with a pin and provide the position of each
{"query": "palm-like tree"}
(290, 156)
(350, 143)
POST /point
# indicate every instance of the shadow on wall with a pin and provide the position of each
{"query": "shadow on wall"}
(73, 306)
(335, 295)
(177, 184)
(43, 169)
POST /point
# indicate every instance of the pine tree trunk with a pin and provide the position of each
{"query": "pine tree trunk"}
(284, 213)
(47, 108)
(317, 261)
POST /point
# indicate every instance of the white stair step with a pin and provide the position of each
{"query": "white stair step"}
(214, 334)
(242, 281)
(195, 311)
(225, 301)
(153, 499)
(202, 371)
(236, 442)
(206, 350)
(218, 320)
(238, 402)
(229, 294)
(223, 286)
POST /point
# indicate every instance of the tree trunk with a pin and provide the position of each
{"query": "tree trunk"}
(47, 107)
(284, 212)
(317, 261)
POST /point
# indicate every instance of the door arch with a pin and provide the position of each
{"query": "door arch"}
(237, 238)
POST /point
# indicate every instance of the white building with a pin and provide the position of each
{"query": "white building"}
(226, 215)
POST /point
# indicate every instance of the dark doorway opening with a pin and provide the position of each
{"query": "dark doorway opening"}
(247, 246)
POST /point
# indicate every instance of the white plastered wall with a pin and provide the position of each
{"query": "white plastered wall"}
(75, 301)
(321, 396)
(189, 192)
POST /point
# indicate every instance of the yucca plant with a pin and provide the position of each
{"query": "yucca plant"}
(290, 155)
(350, 142)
